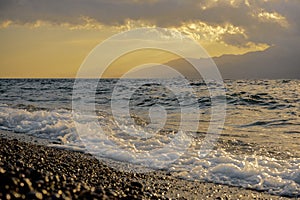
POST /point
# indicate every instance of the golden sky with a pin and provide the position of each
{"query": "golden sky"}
(52, 38)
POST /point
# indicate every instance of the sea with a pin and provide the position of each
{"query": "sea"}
(257, 147)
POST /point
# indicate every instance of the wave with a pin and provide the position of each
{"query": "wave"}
(256, 110)
(53, 125)
(277, 176)
(283, 122)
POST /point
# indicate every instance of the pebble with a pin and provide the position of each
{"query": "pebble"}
(29, 171)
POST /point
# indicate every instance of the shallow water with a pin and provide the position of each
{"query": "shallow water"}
(259, 146)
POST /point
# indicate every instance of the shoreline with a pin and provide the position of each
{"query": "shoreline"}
(31, 169)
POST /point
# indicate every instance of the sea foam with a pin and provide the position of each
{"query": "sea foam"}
(277, 176)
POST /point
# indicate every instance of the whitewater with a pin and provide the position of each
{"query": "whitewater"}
(259, 147)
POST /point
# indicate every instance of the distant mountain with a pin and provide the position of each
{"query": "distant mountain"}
(273, 63)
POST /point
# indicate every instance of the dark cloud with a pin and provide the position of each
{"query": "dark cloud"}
(107, 12)
(166, 13)
(163, 13)
(235, 39)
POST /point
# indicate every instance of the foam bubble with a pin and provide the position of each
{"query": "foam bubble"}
(277, 176)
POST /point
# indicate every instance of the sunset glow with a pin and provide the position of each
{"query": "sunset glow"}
(51, 43)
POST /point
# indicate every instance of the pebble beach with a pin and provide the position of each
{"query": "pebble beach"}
(30, 169)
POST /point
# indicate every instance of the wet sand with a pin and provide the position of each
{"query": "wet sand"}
(29, 169)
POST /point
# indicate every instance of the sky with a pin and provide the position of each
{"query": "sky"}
(246, 38)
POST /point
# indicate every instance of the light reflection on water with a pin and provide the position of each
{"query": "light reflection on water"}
(261, 131)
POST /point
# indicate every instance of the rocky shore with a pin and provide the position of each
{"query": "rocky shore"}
(34, 171)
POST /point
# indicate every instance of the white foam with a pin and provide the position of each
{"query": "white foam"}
(250, 171)
(279, 177)
(54, 125)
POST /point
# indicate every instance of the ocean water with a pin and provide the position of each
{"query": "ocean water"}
(259, 147)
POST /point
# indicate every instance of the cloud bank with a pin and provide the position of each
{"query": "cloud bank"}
(257, 21)
(240, 23)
